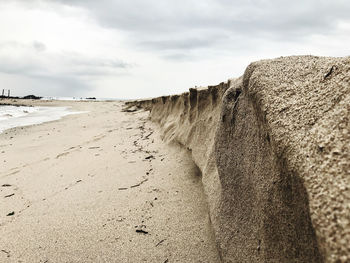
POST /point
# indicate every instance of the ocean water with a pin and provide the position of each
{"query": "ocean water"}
(12, 116)
(79, 99)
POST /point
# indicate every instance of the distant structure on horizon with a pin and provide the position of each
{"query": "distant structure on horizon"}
(8, 92)
(8, 96)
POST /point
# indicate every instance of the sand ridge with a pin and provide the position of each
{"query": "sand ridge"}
(273, 149)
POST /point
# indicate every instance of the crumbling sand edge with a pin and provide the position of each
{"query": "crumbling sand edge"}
(273, 148)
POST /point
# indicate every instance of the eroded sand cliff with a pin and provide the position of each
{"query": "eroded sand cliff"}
(274, 150)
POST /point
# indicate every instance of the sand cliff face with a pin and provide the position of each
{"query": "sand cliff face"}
(274, 150)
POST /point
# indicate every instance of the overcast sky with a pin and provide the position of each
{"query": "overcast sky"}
(146, 48)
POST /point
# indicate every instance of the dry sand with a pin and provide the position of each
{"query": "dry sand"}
(81, 187)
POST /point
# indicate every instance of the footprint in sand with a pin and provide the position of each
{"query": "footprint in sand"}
(62, 154)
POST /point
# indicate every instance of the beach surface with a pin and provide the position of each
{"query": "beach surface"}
(100, 186)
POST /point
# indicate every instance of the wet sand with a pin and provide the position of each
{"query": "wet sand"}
(100, 187)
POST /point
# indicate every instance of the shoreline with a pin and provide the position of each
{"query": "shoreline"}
(40, 114)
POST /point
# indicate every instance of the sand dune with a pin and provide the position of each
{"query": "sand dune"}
(273, 148)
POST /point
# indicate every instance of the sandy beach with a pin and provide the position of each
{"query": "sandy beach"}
(100, 187)
(174, 131)
(254, 169)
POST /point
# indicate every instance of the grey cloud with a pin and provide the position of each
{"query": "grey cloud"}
(45, 64)
(213, 31)
(178, 44)
(179, 57)
(38, 46)
(42, 81)
(62, 85)
(46, 86)
(76, 59)
(62, 71)
(169, 24)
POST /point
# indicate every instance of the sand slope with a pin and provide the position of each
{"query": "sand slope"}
(273, 147)
(81, 187)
